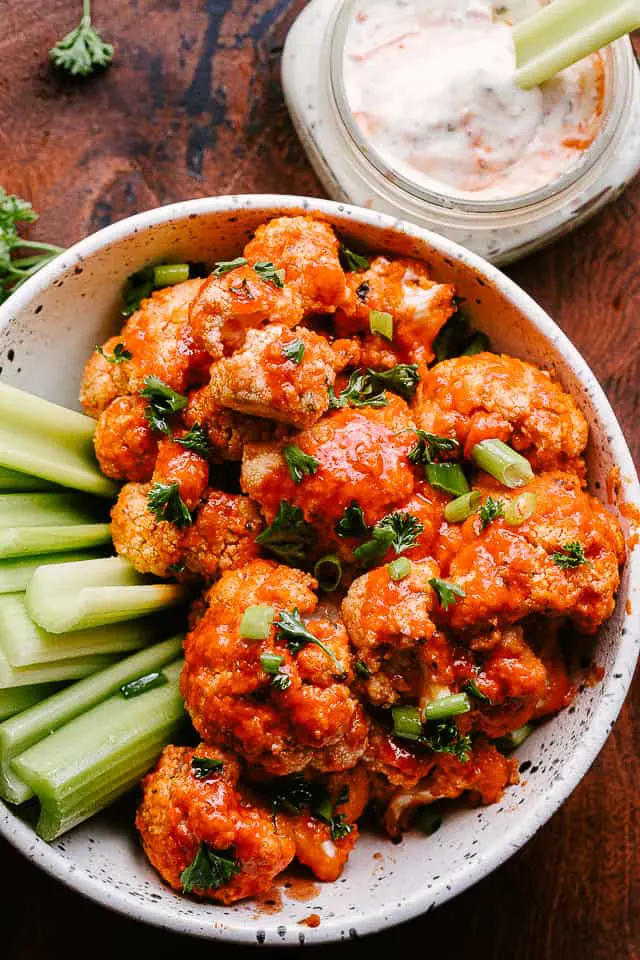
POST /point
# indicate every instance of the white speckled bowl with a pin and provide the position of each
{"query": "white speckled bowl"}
(49, 328)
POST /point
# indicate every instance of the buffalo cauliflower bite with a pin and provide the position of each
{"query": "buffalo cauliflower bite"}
(150, 545)
(403, 288)
(509, 572)
(176, 464)
(307, 250)
(211, 822)
(360, 457)
(280, 374)
(308, 720)
(488, 396)
(227, 430)
(223, 535)
(103, 380)
(125, 446)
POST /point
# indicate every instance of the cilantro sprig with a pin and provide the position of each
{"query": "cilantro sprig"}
(120, 354)
(490, 510)
(352, 522)
(446, 592)
(196, 440)
(368, 388)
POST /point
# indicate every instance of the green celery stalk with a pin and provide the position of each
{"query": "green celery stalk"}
(16, 572)
(93, 593)
(48, 509)
(20, 699)
(27, 541)
(25, 643)
(69, 669)
(20, 732)
(565, 31)
(98, 756)
(11, 481)
(50, 442)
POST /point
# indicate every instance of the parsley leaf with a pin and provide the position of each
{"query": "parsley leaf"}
(401, 379)
(14, 272)
(292, 794)
(300, 464)
(443, 736)
(197, 440)
(205, 767)
(570, 555)
(397, 530)
(292, 630)
(225, 266)
(118, 356)
(489, 511)
(294, 351)
(352, 522)
(472, 688)
(163, 402)
(208, 870)
(267, 271)
(446, 591)
(362, 390)
(165, 502)
(352, 261)
(289, 536)
(372, 552)
(430, 446)
(82, 50)
(339, 827)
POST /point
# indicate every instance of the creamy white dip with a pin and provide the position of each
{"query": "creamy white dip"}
(430, 84)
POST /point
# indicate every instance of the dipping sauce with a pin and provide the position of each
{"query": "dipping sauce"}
(430, 84)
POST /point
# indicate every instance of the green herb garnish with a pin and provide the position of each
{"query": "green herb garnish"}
(165, 502)
(196, 440)
(289, 536)
(430, 447)
(205, 767)
(268, 272)
(300, 464)
(294, 351)
(208, 870)
(490, 510)
(352, 522)
(14, 271)
(472, 688)
(571, 555)
(82, 50)
(225, 266)
(446, 592)
(292, 630)
(163, 403)
(352, 261)
(397, 530)
(119, 355)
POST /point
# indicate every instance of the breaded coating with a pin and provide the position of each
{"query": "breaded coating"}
(223, 536)
(490, 396)
(103, 380)
(307, 250)
(361, 456)
(227, 307)
(177, 464)
(150, 545)
(403, 288)
(278, 374)
(309, 721)
(126, 448)
(323, 847)
(509, 572)
(183, 815)
(228, 430)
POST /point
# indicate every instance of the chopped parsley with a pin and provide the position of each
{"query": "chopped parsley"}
(208, 870)
(205, 767)
(225, 266)
(289, 536)
(401, 379)
(443, 736)
(397, 530)
(571, 555)
(292, 630)
(163, 403)
(446, 592)
(362, 390)
(268, 272)
(352, 522)
(430, 447)
(490, 510)
(294, 794)
(119, 355)
(196, 440)
(165, 502)
(300, 464)
(294, 351)
(352, 261)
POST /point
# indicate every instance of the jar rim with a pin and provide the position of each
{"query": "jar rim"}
(619, 59)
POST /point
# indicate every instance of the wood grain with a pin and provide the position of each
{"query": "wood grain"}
(192, 106)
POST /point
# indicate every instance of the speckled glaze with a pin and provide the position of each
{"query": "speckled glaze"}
(48, 329)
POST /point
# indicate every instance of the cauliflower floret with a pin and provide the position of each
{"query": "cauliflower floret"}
(308, 718)
(228, 430)
(307, 251)
(278, 374)
(177, 464)
(403, 288)
(103, 379)
(489, 396)
(150, 545)
(184, 816)
(125, 446)
(223, 536)
(509, 572)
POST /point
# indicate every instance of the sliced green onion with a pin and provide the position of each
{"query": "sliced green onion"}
(448, 477)
(328, 572)
(520, 509)
(458, 510)
(36, 723)
(11, 481)
(407, 722)
(16, 573)
(445, 707)
(503, 463)
(382, 323)
(256, 622)
(167, 274)
(400, 568)
(20, 699)
(141, 684)
(515, 738)
(428, 820)
(271, 662)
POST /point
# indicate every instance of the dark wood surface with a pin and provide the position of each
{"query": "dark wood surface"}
(192, 106)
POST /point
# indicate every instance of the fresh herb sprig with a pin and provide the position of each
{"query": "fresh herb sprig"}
(352, 522)
(208, 870)
(430, 448)
(292, 630)
(82, 50)
(163, 403)
(490, 510)
(368, 388)
(120, 354)
(289, 536)
(16, 270)
(300, 464)
(165, 502)
(205, 767)
(446, 592)
(352, 261)
(571, 555)
(294, 795)
(196, 440)
(399, 531)
(293, 351)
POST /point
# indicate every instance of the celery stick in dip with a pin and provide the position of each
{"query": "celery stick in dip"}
(431, 86)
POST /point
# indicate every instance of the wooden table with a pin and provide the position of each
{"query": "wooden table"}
(192, 106)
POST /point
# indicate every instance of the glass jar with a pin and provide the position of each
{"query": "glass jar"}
(499, 230)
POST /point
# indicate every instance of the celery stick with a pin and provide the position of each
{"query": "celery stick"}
(13, 482)
(69, 669)
(565, 31)
(27, 541)
(21, 732)
(48, 441)
(98, 756)
(15, 701)
(76, 596)
(24, 643)
(16, 573)
(48, 509)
